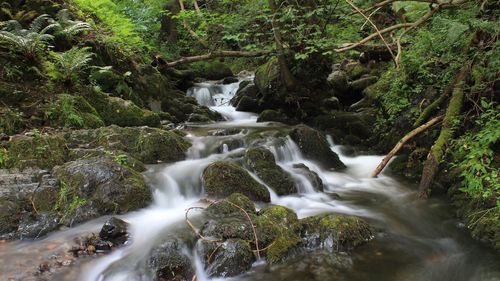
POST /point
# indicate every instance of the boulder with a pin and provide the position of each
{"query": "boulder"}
(221, 179)
(267, 77)
(262, 162)
(348, 123)
(363, 83)
(270, 115)
(248, 104)
(312, 176)
(100, 186)
(335, 233)
(224, 208)
(115, 230)
(247, 89)
(229, 258)
(39, 150)
(230, 80)
(338, 81)
(212, 70)
(169, 262)
(314, 146)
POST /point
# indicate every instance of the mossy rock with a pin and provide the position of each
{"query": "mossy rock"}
(155, 145)
(223, 178)
(262, 161)
(73, 112)
(117, 111)
(270, 115)
(223, 208)
(212, 70)
(229, 258)
(348, 123)
(334, 232)
(312, 176)
(10, 214)
(267, 77)
(248, 104)
(314, 146)
(277, 229)
(102, 184)
(169, 262)
(43, 151)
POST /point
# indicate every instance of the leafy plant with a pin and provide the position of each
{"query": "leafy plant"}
(28, 43)
(121, 159)
(70, 65)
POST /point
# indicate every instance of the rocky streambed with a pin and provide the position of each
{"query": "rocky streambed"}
(237, 200)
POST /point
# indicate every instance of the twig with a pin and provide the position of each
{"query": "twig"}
(400, 143)
(371, 36)
(213, 252)
(195, 230)
(376, 29)
(369, 16)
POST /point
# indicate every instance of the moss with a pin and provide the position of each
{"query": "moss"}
(282, 248)
(43, 151)
(223, 208)
(9, 215)
(211, 70)
(335, 232)
(270, 115)
(314, 146)
(114, 110)
(262, 161)
(73, 111)
(222, 178)
(277, 229)
(159, 145)
(267, 76)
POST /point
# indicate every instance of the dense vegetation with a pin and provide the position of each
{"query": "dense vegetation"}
(85, 64)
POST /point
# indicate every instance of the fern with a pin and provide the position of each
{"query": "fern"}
(70, 64)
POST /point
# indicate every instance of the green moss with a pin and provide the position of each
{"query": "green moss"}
(223, 208)
(211, 70)
(281, 248)
(222, 178)
(262, 161)
(336, 232)
(267, 76)
(114, 110)
(73, 112)
(43, 151)
(159, 145)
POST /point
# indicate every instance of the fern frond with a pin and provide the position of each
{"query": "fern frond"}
(39, 23)
(11, 25)
(77, 27)
(63, 15)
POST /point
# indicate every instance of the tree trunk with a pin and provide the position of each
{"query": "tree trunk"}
(437, 151)
(286, 74)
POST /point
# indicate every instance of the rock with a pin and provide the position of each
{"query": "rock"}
(221, 179)
(248, 89)
(100, 184)
(223, 208)
(230, 80)
(198, 118)
(356, 70)
(270, 115)
(349, 123)
(117, 111)
(247, 104)
(168, 262)
(10, 214)
(312, 176)
(267, 77)
(331, 103)
(363, 83)
(338, 80)
(212, 70)
(314, 146)
(74, 112)
(229, 258)
(43, 151)
(36, 226)
(335, 233)
(114, 230)
(262, 161)
(277, 230)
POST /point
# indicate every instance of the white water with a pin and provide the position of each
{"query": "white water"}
(178, 186)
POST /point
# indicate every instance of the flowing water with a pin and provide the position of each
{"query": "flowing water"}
(416, 240)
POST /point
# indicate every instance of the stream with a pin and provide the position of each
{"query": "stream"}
(415, 241)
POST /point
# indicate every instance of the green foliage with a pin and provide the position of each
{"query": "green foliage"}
(123, 30)
(68, 66)
(68, 202)
(11, 120)
(121, 159)
(73, 112)
(475, 155)
(28, 43)
(3, 157)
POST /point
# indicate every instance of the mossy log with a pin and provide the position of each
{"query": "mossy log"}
(430, 109)
(437, 151)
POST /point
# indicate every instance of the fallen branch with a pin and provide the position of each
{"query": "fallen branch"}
(371, 36)
(401, 142)
(217, 54)
(376, 29)
(437, 151)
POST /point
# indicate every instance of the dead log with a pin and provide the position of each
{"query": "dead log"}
(401, 142)
(217, 54)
